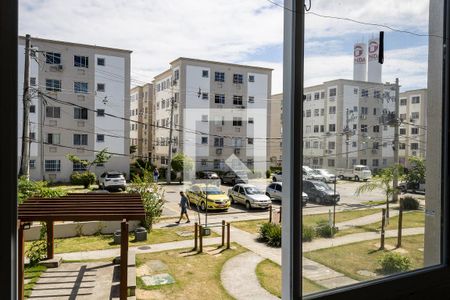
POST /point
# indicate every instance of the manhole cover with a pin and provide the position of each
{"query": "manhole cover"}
(158, 279)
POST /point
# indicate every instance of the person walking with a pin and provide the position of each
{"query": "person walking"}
(184, 204)
(155, 175)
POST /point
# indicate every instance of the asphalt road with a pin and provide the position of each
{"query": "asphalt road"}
(346, 189)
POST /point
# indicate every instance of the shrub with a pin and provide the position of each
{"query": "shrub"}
(162, 173)
(37, 252)
(324, 230)
(393, 262)
(275, 169)
(268, 174)
(409, 203)
(83, 178)
(28, 188)
(307, 233)
(270, 233)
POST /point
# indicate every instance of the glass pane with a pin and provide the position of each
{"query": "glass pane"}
(368, 213)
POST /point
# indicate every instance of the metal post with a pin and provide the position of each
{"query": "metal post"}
(169, 159)
(396, 143)
(280, 214)
(347, 140)
(223, 233)
(334, 205)
(400, 225)
(124, 260)
(195, 235)
(201, 239)
(383, 224)
(25, 157)
(20, 262)
(270, 214)
(50, 240)
(228, 235)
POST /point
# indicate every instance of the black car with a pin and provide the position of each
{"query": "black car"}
(207, 175)
(320, 192)
(233, 177)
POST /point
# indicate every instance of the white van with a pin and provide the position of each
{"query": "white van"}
(357, 173)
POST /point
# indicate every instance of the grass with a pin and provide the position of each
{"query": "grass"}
(350, 259)
(269, 276)
(197, 276)
(310, 220)
(32, 273)
(411, 219)
(374, 203)
(100, 242)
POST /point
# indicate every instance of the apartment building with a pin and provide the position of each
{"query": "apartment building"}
(141, 131)
(343, 124)
(219, 114)
(275, 130)
(80, 86)
(413, 129)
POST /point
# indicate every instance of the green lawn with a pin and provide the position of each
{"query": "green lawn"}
(310, 220)
(411, 219)
(99, 242)
(197, 276)
(32, 273)
(350, 259)
(269, 276)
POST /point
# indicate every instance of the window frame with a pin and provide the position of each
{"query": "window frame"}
(412, 285)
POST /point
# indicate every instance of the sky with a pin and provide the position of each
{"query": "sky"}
(237, 31)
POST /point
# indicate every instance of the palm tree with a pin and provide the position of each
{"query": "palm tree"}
(383, 181)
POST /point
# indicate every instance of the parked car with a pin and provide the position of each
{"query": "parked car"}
(112, 180)
(277, 176)
(358, 172)
(275, 189)
(320, 192)
(249, 195)
(327, 176)
(234, 177)
(207, 196)
(309, 173)
(208, 175)
(412, 187)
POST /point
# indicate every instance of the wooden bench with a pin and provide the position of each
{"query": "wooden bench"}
(131, 278)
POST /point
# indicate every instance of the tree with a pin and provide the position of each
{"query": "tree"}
(416, 173)
(383, 181)
(87, 177)
(133, 149)
(181, 163)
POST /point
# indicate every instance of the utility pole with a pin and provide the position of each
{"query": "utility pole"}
(169, 163)
(25, 157)
(347, 133)
(396, 141)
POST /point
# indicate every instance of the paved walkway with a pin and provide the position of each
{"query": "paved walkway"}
(247, 286)
(370, 219)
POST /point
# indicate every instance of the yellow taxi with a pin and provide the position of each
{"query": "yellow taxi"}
(217, 200)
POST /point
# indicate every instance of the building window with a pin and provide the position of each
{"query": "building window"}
(33, 136)
(237, 100)
(377, 94)
(308, 113)
(316, 96)
(354, 144)
(251, 99)
(402, 146)
(332, 92)
(415, 100)
(219, 98)
(53, 112)
(414, 115)
(402, 116)
(32, 108)
(316, 128)
(331, 127)
(251, 78)
(331, 162)
(402, 131)
(205, 96)
(331, 145)
(364, 127)
(176, 74)
(80, 113)
(80, 139)
(100, 61)
(250, 121)
(80, 87)
(322, 111)
(364, 93)
(100, 87)
(204, 162)
(53, 85)
(80, 61)
(218, 142)
(364, 110)
(322, 128)
(375, 162)
(238, 78)
(100, 138)
(414, 146)
(33, 81)
(375, 145)
(332, 110)
(52, 58)
(204, 140)
(100, 112)
(376, 128)
(219, 76)
(250, 141)
(76, 166)
(52, 165)
(53, 138)
(414, 130)
(316, 112)
(32, 164)
(205, 73)
(403, 101)
(237, 121)
(363, 162)
(308, 97)
(322, 95)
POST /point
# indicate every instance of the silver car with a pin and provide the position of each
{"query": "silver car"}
(275, 190)
(249, 195)
(327, 176)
